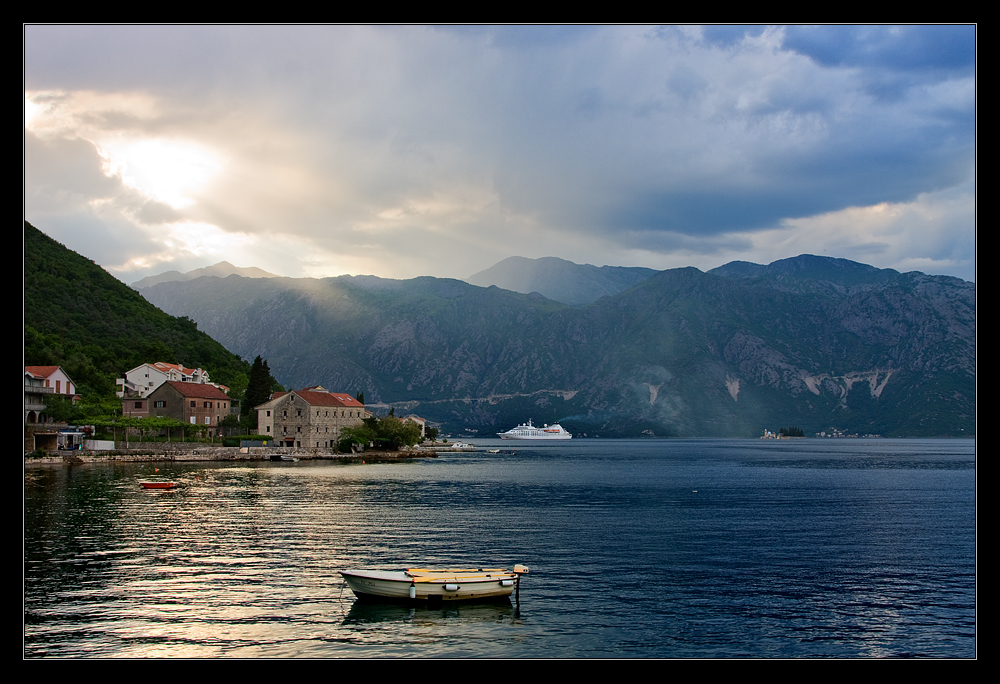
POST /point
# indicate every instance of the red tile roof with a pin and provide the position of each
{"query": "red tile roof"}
(197, 390)
(323, 398)
(164, 366)
(41, 371)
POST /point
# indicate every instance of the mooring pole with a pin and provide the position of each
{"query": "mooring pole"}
(518, 570)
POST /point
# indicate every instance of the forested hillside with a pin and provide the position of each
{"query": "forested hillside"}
(78, 316)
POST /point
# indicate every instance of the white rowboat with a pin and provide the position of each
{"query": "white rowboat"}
(419, 584)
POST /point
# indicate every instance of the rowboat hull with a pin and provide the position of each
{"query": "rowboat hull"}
(158, 485)
(433, 585)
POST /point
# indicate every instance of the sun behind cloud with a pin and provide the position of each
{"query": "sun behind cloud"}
(168, 171)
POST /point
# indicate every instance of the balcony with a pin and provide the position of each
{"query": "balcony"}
(35, 389)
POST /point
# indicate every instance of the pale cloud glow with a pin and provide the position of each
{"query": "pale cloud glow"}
(86, 113)
(168, 171)
(186, 240)
(933, 224)
(406, 151)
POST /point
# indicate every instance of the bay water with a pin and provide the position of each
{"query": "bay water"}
(637, 549)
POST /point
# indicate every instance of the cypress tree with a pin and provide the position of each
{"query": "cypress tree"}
(259, 386)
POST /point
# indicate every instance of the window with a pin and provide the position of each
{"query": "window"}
(138, 404)
(159, 404)
(268, 428)
(208, 404)
(193, 421)
(268, 414)
(208, 420)
(193, 404)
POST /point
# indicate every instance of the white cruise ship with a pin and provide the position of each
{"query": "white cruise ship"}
(529, 431)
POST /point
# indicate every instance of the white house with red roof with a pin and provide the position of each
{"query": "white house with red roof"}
(41, 382)
(142, 380)
(311, 417)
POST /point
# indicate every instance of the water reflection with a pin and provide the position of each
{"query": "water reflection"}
(644, 548)
(365, 612)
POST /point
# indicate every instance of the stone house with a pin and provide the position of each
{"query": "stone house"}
(187, 402)
(311, 417)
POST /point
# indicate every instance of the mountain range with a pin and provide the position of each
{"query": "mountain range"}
(811, 341)
(559, 279)
(221, 270)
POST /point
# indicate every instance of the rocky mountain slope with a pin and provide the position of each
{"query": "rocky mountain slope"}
(561, 280)
(810, 341)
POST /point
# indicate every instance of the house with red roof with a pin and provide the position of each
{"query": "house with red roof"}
(41, 382)
(311, 417)
(187, 402)
(142, 380)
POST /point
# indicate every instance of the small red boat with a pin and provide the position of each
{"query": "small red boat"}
(158, 485)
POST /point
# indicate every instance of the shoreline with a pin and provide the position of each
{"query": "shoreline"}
(206, 454)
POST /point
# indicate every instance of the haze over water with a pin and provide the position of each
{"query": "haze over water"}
(637, 548)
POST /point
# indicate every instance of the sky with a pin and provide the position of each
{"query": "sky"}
(400, 151)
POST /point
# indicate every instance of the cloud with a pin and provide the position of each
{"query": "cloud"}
(419, 150)
(935, 51)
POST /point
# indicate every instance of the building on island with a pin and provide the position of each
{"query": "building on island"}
(310, 417)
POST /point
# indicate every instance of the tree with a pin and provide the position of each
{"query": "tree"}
(395, 433)
(61, 409)
(259, 388)
(389, 433)
(361, 435)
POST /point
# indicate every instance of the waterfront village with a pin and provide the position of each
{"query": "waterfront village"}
(796, 433)
(166, 400)
(160, 400)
